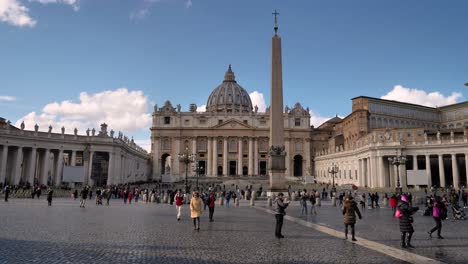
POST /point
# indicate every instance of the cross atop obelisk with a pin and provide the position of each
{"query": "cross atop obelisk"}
(277, 154)
(276, 21)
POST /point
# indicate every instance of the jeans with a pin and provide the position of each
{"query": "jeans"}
(211, 209)
(303, 207)
(279, 224)
(346, 230)
(178, 208)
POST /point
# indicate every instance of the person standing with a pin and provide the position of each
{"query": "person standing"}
(313, 202)
(179, 199)
(196, 210)
(211, 205)
(304, 198)
(438, 214)
(75, 194)
(281, 205)
(50, 193)
(404, 213)
(350, 209)
(393, 203)
(84, 196)
(228, 198)
(108, 196)
(6, 190)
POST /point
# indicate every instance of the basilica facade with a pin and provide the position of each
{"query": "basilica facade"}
(230, 139)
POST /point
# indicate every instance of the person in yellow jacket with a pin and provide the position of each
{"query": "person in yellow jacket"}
(196, 207)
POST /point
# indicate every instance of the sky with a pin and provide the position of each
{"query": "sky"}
(78, 63)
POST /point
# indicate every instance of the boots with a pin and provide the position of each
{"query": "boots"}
(352, 233)
(408, 240)
(346, 232)
(403, 242)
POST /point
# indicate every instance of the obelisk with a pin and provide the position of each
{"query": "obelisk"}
(277, 154)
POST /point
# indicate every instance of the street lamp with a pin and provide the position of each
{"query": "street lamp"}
(198, 169)
(334, 170)
(397, 160)
(186, 158)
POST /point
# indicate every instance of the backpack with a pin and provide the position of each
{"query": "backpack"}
(398, 213)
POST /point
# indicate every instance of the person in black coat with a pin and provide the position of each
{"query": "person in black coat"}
(406, 221)
(50, 194)
(281, 206)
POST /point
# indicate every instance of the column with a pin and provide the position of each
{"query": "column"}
(381, 175)
(90, 169)
(175, 170)
(403, 176)
(360, 172)
(58, 168)
(225, 156)
(3, 164)
(45, 167)
(441, 171)
(428, 171)
(369, 173)
(17, 166)
(415, 162)
(466, 167)
(156, 156)
(194, 151)
(32, 166)
(287, 158)
(73, 158)
(456, 176)
(256, 156)
(110, 170)
(307, 158)
(209, 158)
(251, 157)
(239, 157)
(215, 156)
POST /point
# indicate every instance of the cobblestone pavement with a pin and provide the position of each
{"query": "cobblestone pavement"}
(380, 226)
(32, 232)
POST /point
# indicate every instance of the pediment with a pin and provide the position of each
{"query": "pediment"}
(232, 124)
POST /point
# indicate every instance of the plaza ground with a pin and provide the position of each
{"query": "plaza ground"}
(32, 232)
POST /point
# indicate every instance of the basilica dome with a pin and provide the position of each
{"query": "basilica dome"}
(229, 96)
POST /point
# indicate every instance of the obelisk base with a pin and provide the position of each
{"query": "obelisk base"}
(277, 174)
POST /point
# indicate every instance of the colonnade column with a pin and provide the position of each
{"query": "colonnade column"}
(360, 172)
(45, 167)
(90, 169)
(17, 166)
(307, 158)
(382, 177)
(415, 162)
(156, 156)
(215, 156)
(73, 158)
(441, 171)
(176, 162)
(3, 163)
(251, 157)
(369, 173)
(255, 156)
(456, 176)
(225, 156)
(32, 166)
(58, 168)
(209, 157)
(466, 167)
(194, 151)
(428, 171)
(239, 156)
(110, 170)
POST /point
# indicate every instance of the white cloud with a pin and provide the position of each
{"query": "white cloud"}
(144, 143)
(121, 110)
(201, 108)
(258, 100)
(188, 4)
(15, 13)
(421, 97)
(316, 119)
(7, 98)
(140, 14)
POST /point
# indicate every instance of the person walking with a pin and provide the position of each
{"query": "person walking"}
(6, 191)
(281, 205)
(179, 200)
(350, 209)
(313, 202)
(84, 196)
(404, 213)
(304, 198)
(75, 194)
(196, 208)
(50, 193)
(108, 196)
(393, 203)
(228, 198)
(438, 213)
(211, 205)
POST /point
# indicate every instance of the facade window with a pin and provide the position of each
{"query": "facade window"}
(202, 121)
(220, 121)
(297, 122)
(232, 145)
(187, 121)
(167, 120)
(246, 122)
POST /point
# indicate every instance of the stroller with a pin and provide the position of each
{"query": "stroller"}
(458, 213)
(99, 199)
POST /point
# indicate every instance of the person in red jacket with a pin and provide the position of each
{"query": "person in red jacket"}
(393, 203)
(179, 200)
(211, 205)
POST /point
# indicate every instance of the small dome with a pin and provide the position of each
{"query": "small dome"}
(229, 96)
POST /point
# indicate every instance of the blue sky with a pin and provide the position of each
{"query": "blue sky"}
(334, 50)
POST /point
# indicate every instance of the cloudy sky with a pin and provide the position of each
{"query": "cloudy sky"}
(78, 63)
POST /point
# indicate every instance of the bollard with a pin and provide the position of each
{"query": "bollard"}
(334, 201)
(385, 201)
(165, 198)
(270, 202)
(220, 201)
(293, 196)
(236, 202)
(318, 201)
(252, 199)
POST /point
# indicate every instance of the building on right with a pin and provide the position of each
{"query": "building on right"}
(431, 145)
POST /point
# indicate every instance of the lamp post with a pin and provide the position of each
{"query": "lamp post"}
(186, 157)
(198, 169)
(397, 160)
(334, 170)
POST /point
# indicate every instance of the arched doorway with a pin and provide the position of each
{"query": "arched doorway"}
(220, 170)
(297, 166)
(245, 171)
(165, 161)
